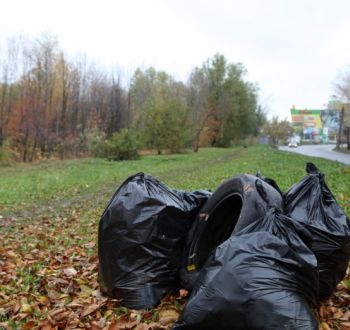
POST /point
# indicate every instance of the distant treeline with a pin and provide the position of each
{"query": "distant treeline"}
(51, 106)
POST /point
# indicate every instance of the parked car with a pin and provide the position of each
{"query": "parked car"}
(293, 144)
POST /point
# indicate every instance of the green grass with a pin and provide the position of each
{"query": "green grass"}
(28, 187)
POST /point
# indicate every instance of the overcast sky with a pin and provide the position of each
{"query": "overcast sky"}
(294, 50)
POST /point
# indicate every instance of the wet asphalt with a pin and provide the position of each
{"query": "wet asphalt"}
(320, 150)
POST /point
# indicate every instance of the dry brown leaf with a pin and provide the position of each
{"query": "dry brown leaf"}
(4, 325)
(21, 316)
(45, 325)
(70, 271)
(346, 316)
(127, 325)
(325, 312)
(338, 314)
(43, 300)
(149, 326)
(53, 294)
(113, 325)
(89, 309)
(324, 326)
(183, 293)
(100, 324)
(64, 316)
(168, 316)
(16, 307)
(57, 311)
(28, 325)
(25, 307)
(89, 245)
(346, 326)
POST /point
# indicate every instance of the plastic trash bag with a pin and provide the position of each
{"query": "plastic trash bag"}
(264, 277)
(140, 239)
(312, 203)
(270, 181)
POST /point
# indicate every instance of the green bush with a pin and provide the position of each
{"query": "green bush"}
(121, 146)
(6, 153)
(166, 127)
(96, 141)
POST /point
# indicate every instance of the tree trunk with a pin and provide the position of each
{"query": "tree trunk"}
(25, 141)
(347, 133)
(195, 146)
(195, 142)
(340, 128)
(1, 137)
(33, 150)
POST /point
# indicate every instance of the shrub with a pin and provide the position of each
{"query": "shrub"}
(6, 153)
(121, 146)
(96, 141)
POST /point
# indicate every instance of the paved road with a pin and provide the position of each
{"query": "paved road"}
(322, 150)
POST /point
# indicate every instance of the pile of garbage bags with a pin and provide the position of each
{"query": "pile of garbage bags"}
(252, 256)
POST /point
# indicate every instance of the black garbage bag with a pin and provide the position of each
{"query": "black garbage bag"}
(270, 181)
(140, 239)
(264, 277)
(235, 204)
(311, 202)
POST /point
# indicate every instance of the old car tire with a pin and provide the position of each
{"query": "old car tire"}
(235, 204)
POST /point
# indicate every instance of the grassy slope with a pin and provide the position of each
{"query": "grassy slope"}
(49, 222)
(28, 186)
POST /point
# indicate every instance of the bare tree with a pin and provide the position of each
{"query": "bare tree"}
(9, 74)
(278, 130)
(198, 92)
(117, 116)
(342, 91)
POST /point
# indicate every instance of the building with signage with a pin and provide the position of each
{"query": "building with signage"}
(316, 125)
